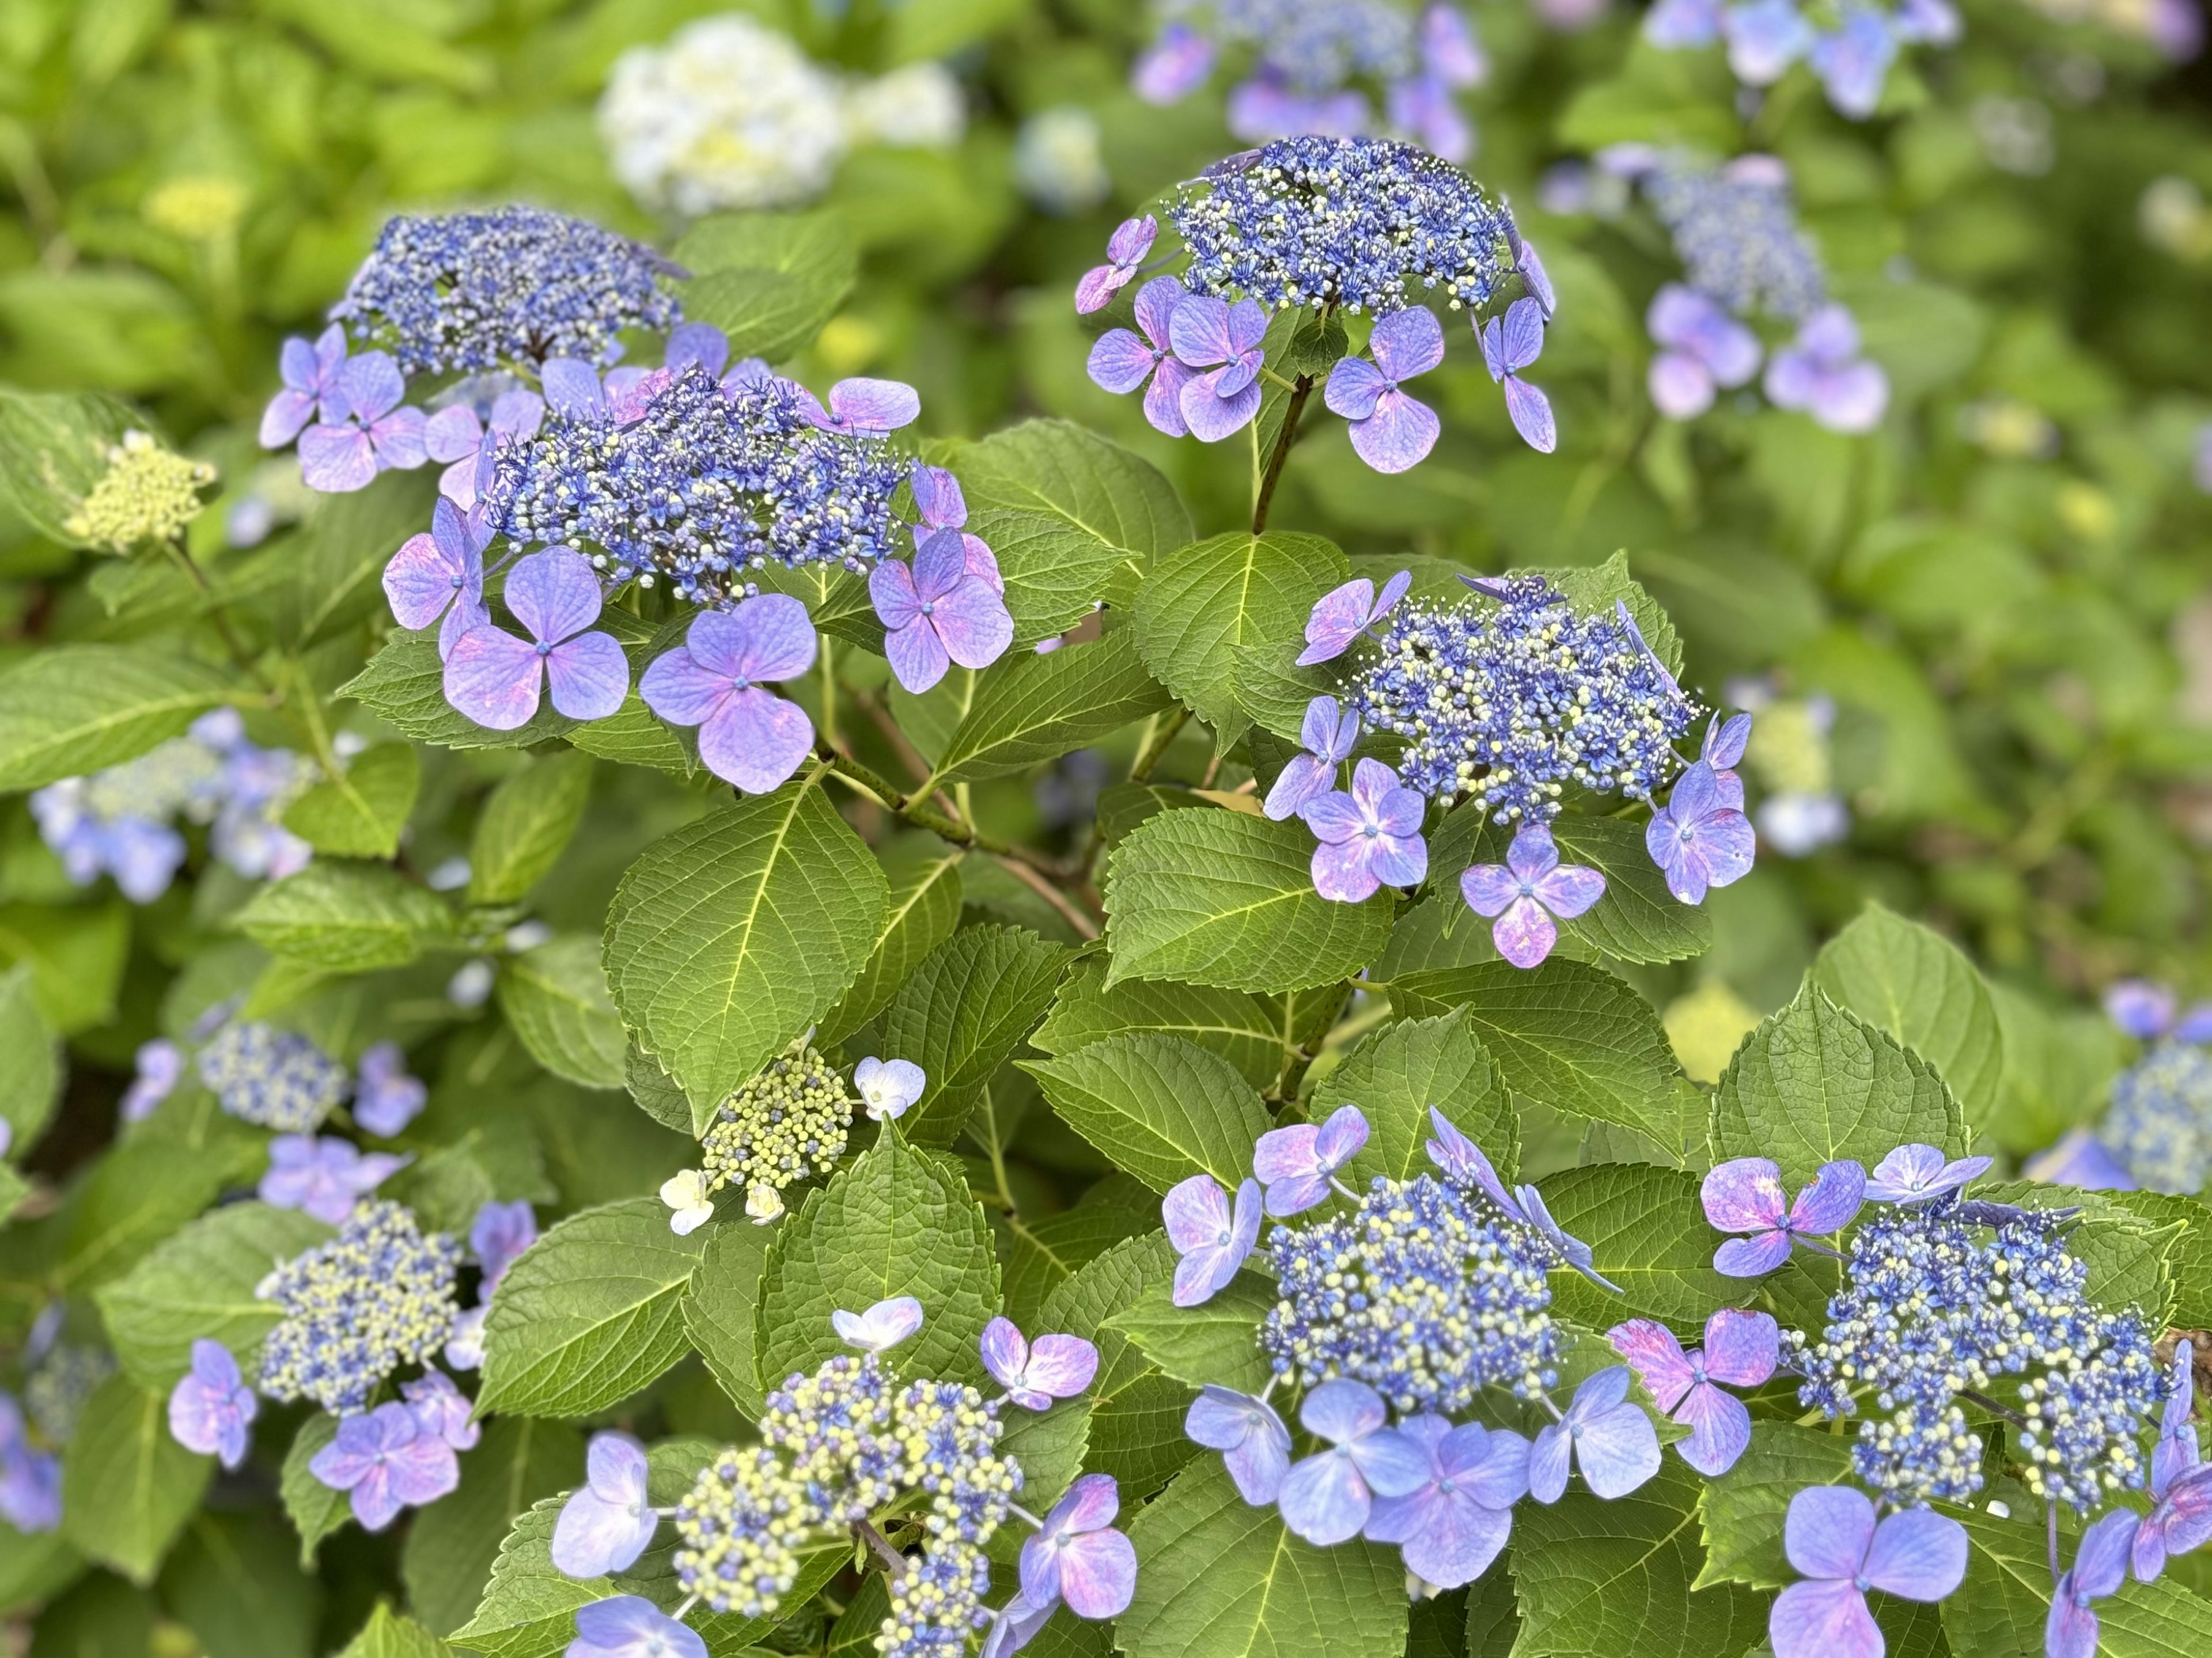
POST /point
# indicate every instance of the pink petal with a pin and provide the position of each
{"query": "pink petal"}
(1341, 874)
(1570, 889)
(492, 677)
(572, 387)
(917, 656)
(589, 676)
(1752, 1257)
(1353, 385)
(554, 593)
(1524, 934)
(874, 406)
(1164, 398)
(287, 411)
(1523, 338)
(451, 433)
(1156, 306)
(398, 440)
(1922, 1556)
(891, 589)
(1828, 1530)
(1745, 1195)
(1488, 888)
(1005, 1354)
(419, 581)
(1195, 1212)
(1211, 417)
(372, 385)
(337, 460)
(940, 562)
(1096, 289)
(982, 563)
(974, 624)
(1098, 1574)
(1651, 1347)
(756, 740)
(1062, 1365)
(1681, 387)
(1199, 330)
(1740, 1346)
(1720, 1428)
(1400, 434)
(773, 635)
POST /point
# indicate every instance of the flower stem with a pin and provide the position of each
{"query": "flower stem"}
(893, 1562)
(1272, 473)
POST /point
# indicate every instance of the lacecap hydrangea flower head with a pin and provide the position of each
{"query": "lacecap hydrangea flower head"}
(1507, 699)
(854, 1451)
(1317, 66)
(1363, 228)
(1396, 1314)
(572, 475)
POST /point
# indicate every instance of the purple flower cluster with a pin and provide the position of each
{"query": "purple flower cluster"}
(1507, 703)
(1304, 56)
(30, 1475)
(1366, 226)
(1422, 1294)
(837, 1448)
(1849, 48)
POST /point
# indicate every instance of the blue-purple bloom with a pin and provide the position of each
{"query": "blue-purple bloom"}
(1391, 430)
(862, 407)
(388, 1461)
(1610, 1438)
(1227, 342)
(1254, 1445)
(1121, 361)
(608, 1521)
(1526, 891)
(1702, 350)
(495, 678)
(1212, 1238)
(1697, 838)
(211, 1408)
(1125, 251)
(30, 1479)
(386, 1098)
(311, 387)
(1297, 1164)
(158, 1066)
(1344, 614)
(440, 574)
(1369, 837)
(323, 1177)
(1821, 372)
(442, 1409)
(748, 736)
(2140, 1008)
(1831, 1537)
(374, 430)
(881, 1327)
(1917, 1174)
(1077, 1556)
(1450, 1527)
(1329, 738)
(1036, 1373)
(631, 1626)
(1572, 1251)
(463, 444)
(1746, 1195)
(1327, 1497)
(1510, 344)
(2101, 1566)
(1740, 1349)
(501, 1232)
(940, 612)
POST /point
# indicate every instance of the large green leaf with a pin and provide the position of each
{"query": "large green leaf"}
(1647, 1233)
(1912, 982)
(590, 1313)
(1202, 604)
(1224, 898)
(233, 1581)
(1219, 1578)
(962, 1015)
(1596, 1579)
(525, 826)
(897, 1221)
(2001, 1609)
(1396, 1075)
(31, 1081)
(555, 1001)
(1218, 1341)
(1742, 1511)
(314, 1510)
(53, 449)
(200, 1282)
(1230, 1022)
(1160, 1107)
(1072, 518)
(768, 281)
(721, 1308)
(1043, 1254)
(127, 1486)
(1136, 1411)
(347, 918)
(921, 913)
(730, 936)
(1033, 708)
(388, 1635)
(360, 812)
(1816, 1082)
(71, 710)
(1566, 1034)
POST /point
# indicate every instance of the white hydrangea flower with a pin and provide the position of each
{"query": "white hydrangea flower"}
(919, 107)
(686, 1195)
(1058, 162)
(727, 114)
(764, 1202)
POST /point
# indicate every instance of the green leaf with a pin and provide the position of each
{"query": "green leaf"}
(200, 1282)
(897, 1221)
(1217, 1342)
(1202, 604)
(1397, 1074)
(360, 813)
(453, 1544)
(1647, 1232)
(53, 449)
(525, 826)
(1044, 1254)
(1637, 919)
(721, 1305)
(769, 281)
(144, 1190)
(556, 1000)
(232, 1581)
(1597, 1579)
(1815, 1083)
(77, 956)
(656, 1092)
(332, 573)
(1566, 1033)
(71, 710)
(127, 1486)
(962, 1015)
(1272, 690)
(529, 1608)
(1161, 1108)
(314, 1510)
(591, 1313)
(1742, 1511)
(1136, 1411)
(923, 910)
(2189, 1255)
(1230, 1023)
(1034, 708)
(34, 1567)
(1222, 898)
(388, 1635)
(31, 1081)
(1911, 981)
(730, 936)
(1217, 1578)
(347, 918)
(2000, 1611)
(1072, 518)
